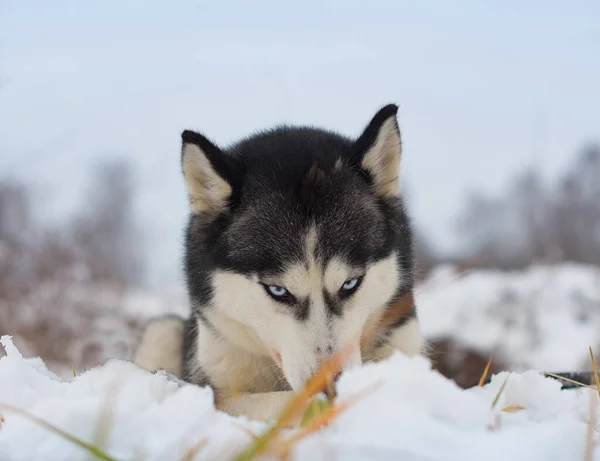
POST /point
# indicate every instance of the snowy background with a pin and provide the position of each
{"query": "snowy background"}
(499, 112)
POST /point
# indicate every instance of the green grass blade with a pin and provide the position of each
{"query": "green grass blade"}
(90, 448)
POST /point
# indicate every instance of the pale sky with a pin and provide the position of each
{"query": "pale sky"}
(484, 88)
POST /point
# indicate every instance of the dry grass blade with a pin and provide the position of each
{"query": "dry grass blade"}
(322, 419)
(572, 381)
(316, 406)
(106, 416)
(500, 391)
(90, 448)
(193, 451)
(595, 368)
(73, 370)
(244, 429)
(485, 373)
(591, 430)
(512, 408)
(319, 382)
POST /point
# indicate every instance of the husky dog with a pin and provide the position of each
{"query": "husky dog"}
(297, 244)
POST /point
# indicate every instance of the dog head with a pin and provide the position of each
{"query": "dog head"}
(297, 238)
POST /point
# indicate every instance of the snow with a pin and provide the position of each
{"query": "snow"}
(544, 317)
(415, 414)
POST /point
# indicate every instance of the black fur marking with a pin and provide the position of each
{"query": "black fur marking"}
(285, 181)
(206, 321)
(382, 339)
(402, 321)
(384, 336)
(302, 309)
(333, 304)
(192, 371)
(225, 165)
(369, 136)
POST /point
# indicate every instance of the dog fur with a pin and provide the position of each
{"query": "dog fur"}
(298, 243)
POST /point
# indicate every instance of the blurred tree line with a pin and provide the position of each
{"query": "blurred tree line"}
(536, 221)
(100, 240)
(533, 221)
(47, 272)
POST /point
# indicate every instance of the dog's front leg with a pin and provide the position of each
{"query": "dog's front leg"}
(263, 406)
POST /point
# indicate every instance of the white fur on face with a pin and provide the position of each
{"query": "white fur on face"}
(251, 319)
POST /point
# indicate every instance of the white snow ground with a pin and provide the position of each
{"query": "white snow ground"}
(416, 415)
(544, 317)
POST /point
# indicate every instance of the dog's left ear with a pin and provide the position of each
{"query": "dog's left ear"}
(378, 150)
(209, 174)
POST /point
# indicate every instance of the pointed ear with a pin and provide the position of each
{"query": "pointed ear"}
(208, 174)
(378, 150)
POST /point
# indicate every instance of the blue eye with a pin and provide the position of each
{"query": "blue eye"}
(350, 284)
(276, 291)
(349, 287)
(279, 294)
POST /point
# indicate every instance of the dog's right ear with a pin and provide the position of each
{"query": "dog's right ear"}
(208, 173)
(378, 150)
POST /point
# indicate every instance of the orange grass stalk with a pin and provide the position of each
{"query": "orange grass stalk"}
(319, 382)
(595, 368)
(319, 421)
(323, 419)
(512, 408)
(485, 372)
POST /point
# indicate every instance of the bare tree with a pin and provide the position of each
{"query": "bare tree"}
(61, 287)
(535, 222)
(576, 217)
(105, 230)
(15, 217)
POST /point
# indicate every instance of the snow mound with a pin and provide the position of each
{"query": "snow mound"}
(415, 414)
(543, 317)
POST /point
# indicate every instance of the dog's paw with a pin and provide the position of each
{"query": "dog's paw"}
(265, 406)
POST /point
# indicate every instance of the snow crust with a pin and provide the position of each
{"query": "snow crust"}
(543, 317)
(415, 415)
